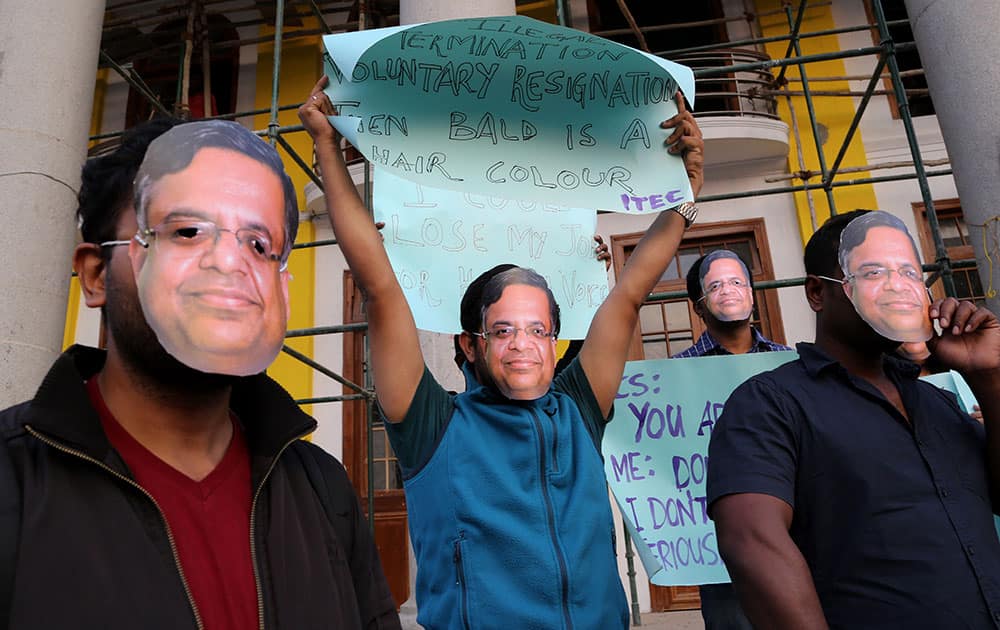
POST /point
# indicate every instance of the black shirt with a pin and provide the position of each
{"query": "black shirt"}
(894, 522)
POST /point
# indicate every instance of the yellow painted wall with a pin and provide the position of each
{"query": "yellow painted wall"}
(544, 10)
(833, 113)
(300, 68)
(72, 313)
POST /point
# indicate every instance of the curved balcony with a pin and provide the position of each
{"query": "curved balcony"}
(738, 123)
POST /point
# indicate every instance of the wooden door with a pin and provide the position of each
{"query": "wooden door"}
(389, 500)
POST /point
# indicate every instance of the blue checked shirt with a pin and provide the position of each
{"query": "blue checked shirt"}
(707, 346)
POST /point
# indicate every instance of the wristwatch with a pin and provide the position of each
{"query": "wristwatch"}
(687, 210)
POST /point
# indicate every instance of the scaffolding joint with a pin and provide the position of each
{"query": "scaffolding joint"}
(944, 265)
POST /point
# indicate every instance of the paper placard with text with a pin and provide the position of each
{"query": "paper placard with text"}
(512, 107)
(439, 241)
(656, 458)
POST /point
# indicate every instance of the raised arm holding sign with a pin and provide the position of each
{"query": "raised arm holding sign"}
(509, 514)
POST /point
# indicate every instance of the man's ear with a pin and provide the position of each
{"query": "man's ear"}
(468, 344)
(90, 267)
(814, 287)
(699, 309)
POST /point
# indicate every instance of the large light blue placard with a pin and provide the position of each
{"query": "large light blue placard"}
(512, 107)
(438, 241)
(656, 456)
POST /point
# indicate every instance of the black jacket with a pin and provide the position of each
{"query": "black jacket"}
(94, 551)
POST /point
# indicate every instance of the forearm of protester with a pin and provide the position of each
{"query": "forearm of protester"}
(397, 361)
(606, 346)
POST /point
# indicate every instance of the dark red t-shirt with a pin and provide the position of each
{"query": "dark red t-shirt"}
(209, 520)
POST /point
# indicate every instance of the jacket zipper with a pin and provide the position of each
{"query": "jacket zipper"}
(253, 541)
(550, 520)
(555, 445)
(170, 536)
(461, 581)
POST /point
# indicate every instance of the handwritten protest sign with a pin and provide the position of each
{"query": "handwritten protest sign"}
(512, 107)
(438, 241)
(656, 458)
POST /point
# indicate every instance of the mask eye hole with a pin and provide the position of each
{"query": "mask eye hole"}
(258, 246)
(503, 332)
(191, 232)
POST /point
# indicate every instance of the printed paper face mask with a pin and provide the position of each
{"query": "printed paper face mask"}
(208, 256)
(883, 277)
(725, 284)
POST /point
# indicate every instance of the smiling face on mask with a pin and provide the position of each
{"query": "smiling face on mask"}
(726, 291)
(209, 267)
(883, 278)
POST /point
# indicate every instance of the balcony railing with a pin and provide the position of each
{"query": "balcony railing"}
(732, 94)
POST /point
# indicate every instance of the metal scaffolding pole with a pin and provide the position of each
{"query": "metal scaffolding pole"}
(813, 123)
(760, 41)
(876, 77)
(763, 285)
(134, 80)
(279, 25)
(940, 252)
(793, 39)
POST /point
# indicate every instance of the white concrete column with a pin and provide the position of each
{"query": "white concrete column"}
(414, 11)
(48, 64)
(958, 44)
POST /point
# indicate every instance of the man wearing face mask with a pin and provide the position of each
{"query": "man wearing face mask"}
(505, 486)
(846, 493)
(151, 494)
(884, 279)
(721, 288)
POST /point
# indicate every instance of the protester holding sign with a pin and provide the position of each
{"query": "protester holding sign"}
(509, 514)
(845, 492)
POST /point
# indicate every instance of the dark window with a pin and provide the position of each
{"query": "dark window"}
(159, 68)
(910, 68)
(667, 327)
(955, 234)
